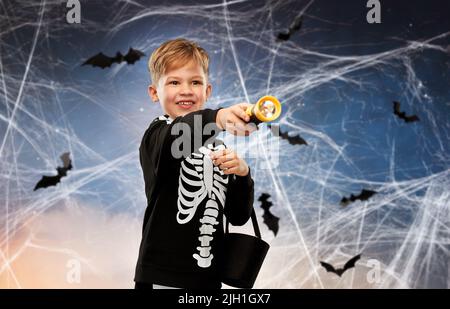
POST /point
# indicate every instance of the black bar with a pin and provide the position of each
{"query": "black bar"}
(219, 298)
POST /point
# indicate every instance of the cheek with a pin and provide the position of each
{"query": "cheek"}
(169, 95)
(201, 93)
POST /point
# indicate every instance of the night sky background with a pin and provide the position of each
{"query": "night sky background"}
(337, 78)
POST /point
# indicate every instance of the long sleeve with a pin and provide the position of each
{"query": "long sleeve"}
(161, 144)
(240, 196)
(187, 197)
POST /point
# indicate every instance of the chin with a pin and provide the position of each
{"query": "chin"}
(185, 112)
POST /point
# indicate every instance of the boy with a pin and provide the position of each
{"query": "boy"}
(188, 191)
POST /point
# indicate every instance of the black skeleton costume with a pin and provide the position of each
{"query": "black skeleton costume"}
(186, 200)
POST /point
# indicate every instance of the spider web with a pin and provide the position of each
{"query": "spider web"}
(336, 79)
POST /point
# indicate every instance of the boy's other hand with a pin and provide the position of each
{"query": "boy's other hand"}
(234, 120)
(229, 162)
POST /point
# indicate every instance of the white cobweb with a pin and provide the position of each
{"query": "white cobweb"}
(51, 105)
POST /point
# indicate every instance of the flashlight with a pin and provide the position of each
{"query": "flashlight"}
(268, 108)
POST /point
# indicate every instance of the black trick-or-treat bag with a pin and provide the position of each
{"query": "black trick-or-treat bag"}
(243, 256)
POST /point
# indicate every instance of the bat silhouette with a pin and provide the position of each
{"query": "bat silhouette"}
(340, 271)
(363, 196)
(103, 61)
(293, 140)
(402, 115)
(47, 181)
(269, 219)
(295, 26)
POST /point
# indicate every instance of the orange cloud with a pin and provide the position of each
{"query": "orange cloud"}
(72, 247)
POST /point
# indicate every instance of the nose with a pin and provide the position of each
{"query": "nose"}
(186, 89)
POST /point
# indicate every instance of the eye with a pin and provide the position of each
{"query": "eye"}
(197, 82)
(174, 82)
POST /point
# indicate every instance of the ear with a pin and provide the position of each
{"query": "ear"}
(208, 91)
(152, 92)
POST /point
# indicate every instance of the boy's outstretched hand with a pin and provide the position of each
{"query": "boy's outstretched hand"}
(235, 120)
(229, 162)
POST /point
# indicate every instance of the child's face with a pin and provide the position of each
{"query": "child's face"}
(182, 90)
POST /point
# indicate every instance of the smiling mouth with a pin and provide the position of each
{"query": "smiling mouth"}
(185, 103)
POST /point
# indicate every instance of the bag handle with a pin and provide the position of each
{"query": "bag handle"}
(254, 223)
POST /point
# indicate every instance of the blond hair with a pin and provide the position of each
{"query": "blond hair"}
(175, 53)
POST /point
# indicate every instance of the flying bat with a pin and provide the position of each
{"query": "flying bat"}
(47, 181)
(295, 26)
(293, 140)
(269, 219)
(402, 115)
(340, 271)
(363, 196)
(103, 61)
